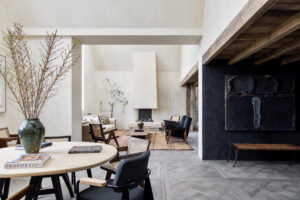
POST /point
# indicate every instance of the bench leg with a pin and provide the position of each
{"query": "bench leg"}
(236, 156)
(229, 146)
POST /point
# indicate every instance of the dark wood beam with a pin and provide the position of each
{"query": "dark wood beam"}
(286, 6)
(188, 100)
(289, 59)
(247, 16)
(286, 28)
(290, 46)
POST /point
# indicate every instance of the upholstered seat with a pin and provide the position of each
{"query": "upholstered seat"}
(107, 193)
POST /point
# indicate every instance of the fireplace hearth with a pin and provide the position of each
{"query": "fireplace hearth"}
(145, 115)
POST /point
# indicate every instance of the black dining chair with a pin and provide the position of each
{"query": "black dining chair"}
(131, 182)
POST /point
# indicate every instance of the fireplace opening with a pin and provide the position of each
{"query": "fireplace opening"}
(145, 115)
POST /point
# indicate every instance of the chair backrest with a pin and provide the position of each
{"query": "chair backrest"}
(96, 131)
(187, 124)
(4, 133)
(183, 120)
(65, 138)
(137, 145)
(132, 170)
(175, 118)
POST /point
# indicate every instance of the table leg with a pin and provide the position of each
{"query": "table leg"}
(236, 156)
(57, 187)
(35, 181)
(68, 184)
(4, 188)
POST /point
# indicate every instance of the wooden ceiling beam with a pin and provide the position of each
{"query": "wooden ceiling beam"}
(247, 16)
(286, 6)
(290, 46)
(281, 31)
(289, 59)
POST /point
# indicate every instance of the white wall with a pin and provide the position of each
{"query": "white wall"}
(109, 62)
(189, 57)
(57, 113)
(104, 13)
(217, 15)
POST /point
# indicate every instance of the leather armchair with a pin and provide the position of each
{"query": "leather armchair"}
(180, 129)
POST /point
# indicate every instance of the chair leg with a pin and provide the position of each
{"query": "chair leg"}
(68, 184)
(185, 137)
(115, 139)
(169, 136)
(89, 173)
(148, 194)
(229, 146)
(108, 176)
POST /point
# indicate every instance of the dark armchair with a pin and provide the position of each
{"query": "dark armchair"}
(130, 175)
(178, 129)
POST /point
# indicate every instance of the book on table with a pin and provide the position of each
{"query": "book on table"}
(85, 149)
(28, 161)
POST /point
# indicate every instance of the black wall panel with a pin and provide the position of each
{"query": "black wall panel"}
(215, 138)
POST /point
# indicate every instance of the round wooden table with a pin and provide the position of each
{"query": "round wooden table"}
(60, 163)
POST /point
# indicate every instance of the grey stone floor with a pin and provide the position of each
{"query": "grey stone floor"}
(178, 175)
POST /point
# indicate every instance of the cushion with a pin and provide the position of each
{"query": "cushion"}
(108, 127)
(104, 119)
(107, 193)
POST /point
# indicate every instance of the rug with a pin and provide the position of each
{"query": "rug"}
(157, 141)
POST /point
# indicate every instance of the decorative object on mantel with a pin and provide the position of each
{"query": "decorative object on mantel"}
(33, 84)
(140, 124)
(115, 96)
(2, 86)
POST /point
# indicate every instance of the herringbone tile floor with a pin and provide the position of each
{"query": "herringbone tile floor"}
(180, 175)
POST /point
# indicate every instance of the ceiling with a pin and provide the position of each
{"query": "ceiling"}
(270, 31)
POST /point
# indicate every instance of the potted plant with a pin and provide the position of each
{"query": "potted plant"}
(32, 84)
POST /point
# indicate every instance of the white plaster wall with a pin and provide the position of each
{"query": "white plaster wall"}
(56, 115)
(104, 13)
(89, 75)
(189, 57)
(115, 63)
(217, 15)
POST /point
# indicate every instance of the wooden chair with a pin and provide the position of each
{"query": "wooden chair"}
(136, 146)
(130, 182)
(98, 133)
(6, 137)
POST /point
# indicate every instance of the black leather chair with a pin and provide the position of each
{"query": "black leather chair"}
(176, 129)
(130, 175)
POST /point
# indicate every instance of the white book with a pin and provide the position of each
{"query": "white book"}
(28, 161)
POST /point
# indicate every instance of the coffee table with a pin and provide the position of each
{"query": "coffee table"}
(142, 134)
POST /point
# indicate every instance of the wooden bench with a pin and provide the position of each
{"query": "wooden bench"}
(260, 147)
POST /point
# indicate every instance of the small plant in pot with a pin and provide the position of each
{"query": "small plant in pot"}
(33, 83)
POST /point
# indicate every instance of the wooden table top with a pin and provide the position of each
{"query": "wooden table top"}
(277, 147)
(60, 162)
(146, 131)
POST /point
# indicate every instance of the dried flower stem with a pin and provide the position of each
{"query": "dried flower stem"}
(33, 85)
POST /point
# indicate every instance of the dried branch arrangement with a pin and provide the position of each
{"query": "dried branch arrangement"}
(33, 84)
